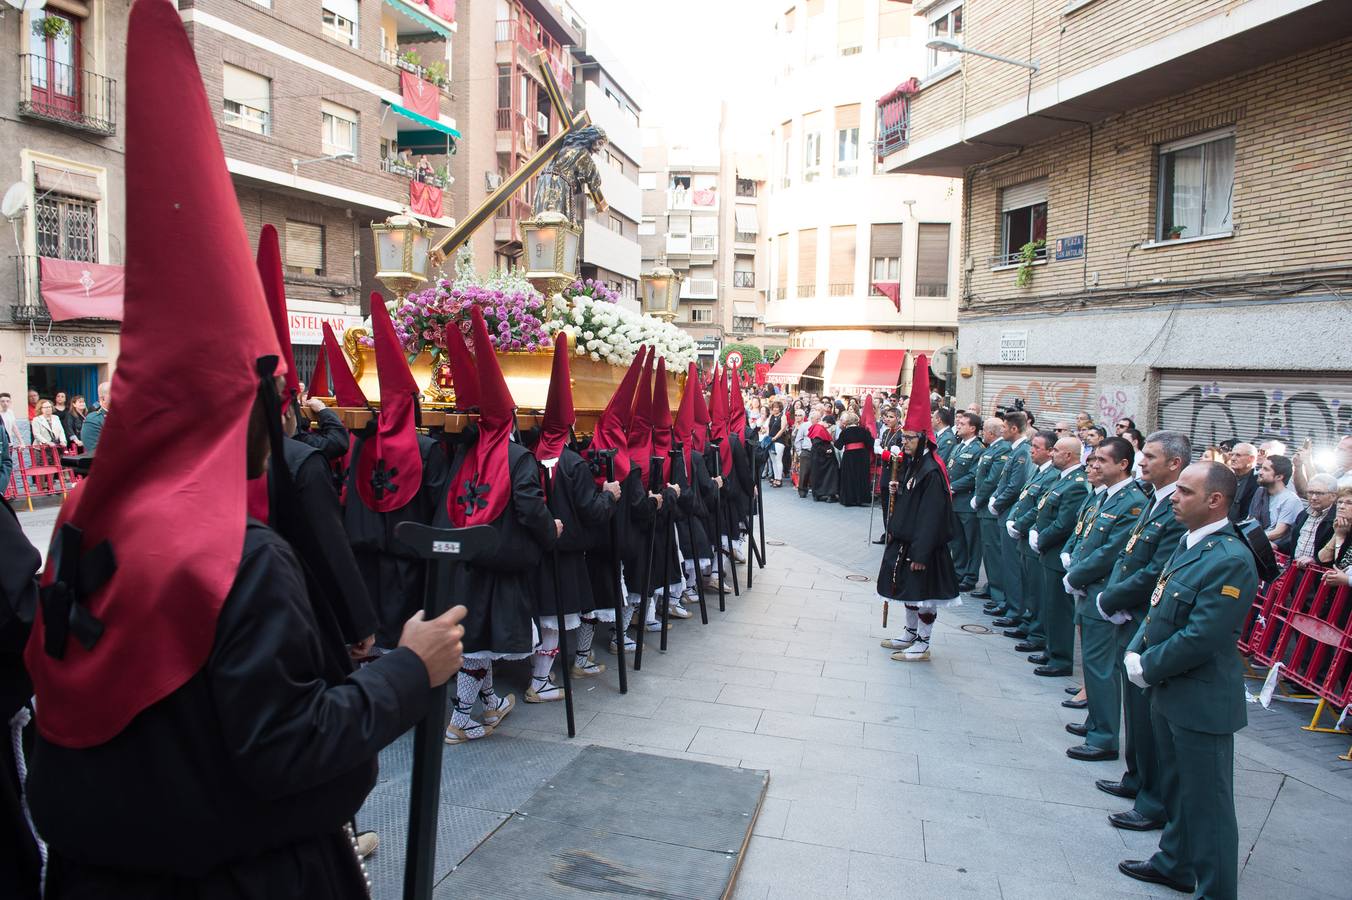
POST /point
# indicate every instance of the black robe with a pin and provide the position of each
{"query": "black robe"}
(918, 530)
(825, 470)
(500, 589)
(329, 436)
(19, 863)
(601, 556)
(238, 784)
(584, 510)
(854, 465)
(696, 524)
(646, 545)
(392, 572)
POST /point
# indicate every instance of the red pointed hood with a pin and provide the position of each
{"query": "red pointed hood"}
(389, 469)
(701, 414)
(640, 437)
(483, 484)
(684, 429)
(274, 289)
(165, 501)
(661, 418)
(869, 416)
(318, 385)
(559, 416)
(464, 377)
(718, 421)
(346, 391)
(736, 406)
(614, 419)
(918, 415)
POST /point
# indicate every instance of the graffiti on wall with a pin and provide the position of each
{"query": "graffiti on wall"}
(1049, 400)
(1112, 405)
(1210, 413)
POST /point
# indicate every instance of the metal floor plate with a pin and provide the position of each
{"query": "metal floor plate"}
(613, 823)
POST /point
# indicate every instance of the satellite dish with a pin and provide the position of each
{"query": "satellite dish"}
(16, 201)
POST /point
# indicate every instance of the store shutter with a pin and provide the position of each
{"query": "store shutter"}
(1052, 395)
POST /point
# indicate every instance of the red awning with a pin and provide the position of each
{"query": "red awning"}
(81, 290)
(792, 365)
(858, 370)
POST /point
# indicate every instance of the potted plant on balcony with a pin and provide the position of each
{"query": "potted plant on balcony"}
(51, 27)
(436, 73)
(1174, 232)
(1027, 254)
(410, 60)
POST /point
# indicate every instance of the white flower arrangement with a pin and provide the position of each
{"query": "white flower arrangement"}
(608, 332)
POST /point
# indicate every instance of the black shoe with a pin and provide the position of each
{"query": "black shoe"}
(1039, 659)
(1079, 729)
(1142, 870)
(1050, 672)
(1019, 633)
(882, 539)
(1072, 691)
(1029, 647)
(1090, 753)
(967, 587)
(1115, 788)
(1006, 621)
(982, 594)
(1075, 704)
(1131, 820)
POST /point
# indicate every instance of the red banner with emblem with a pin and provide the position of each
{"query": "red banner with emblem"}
(81, 290)
(425, 199)
(420, 96)
(762, 370)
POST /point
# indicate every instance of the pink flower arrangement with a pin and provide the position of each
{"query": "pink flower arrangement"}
(515, 318)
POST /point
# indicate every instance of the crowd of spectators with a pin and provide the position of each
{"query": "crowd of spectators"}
(63, 421)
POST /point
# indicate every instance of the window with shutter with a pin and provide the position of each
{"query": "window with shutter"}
(842, 260)
(847, 140)
(931, 259)
(744, 272)
(304, 248)
(807, 263)
(338, 133)
(782, 267)
(247, 99)
(812, 146)
(850, 27)
(885, 253)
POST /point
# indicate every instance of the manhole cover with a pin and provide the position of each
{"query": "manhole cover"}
(770, 543)
(856, 578)
(973, 628)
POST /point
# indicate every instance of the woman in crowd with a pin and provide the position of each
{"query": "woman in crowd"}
(73, 420)
(47, 427)
(856, 446)
(754, 412)
(775, 431)
(825, 479)
(1337, 553)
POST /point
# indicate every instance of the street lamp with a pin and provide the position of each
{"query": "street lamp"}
(551, 251)
(947, 45)
(402, 243)
(661, 288)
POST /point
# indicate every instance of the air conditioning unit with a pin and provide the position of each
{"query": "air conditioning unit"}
(492, 181)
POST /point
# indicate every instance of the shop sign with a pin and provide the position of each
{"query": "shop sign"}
(66, 345)
(1013, 346)
(308, 328)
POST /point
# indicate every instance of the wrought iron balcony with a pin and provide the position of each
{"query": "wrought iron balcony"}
(894, 123)
(58, 92)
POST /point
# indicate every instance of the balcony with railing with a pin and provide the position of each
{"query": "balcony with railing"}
(894, 118)
(66, 94)
(703, 244)
(530, 36)
(744, 279)
(395, 166)
(30, 306)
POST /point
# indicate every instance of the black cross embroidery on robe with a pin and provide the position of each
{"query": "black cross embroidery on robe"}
(382, 479)
(475, 496)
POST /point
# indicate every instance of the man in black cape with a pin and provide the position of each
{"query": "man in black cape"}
(22, 863)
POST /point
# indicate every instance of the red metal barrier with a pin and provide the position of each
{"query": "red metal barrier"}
(39, 474)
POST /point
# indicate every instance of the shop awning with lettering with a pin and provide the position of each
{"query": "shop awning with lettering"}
(791, 366)
(867, 370)
(81, 290)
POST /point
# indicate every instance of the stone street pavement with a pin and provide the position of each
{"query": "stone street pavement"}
(924, 780)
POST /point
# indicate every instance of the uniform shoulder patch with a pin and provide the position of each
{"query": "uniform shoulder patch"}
(1230, 590)
(1135, 510)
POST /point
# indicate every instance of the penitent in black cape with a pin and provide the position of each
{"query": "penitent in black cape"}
(20, 864)
(856, 456)
(918, 531)
(584, 511)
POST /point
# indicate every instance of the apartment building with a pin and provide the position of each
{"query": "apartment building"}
(332, 114)
(1154, 218)
(863, 267)
(61, 172)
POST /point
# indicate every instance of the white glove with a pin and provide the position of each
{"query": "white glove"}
(1070, 588)
(1121, 617)
(1032, 540)
(1135, 674)
(1013, 532)
(973, 503)
(1065, 559)
(991, 506)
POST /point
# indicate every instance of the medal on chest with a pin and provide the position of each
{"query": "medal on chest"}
(1131, 543)
(1159, 591)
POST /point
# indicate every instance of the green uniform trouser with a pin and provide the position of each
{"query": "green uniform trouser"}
(1099, 653)
(966, 543)
(1058, 618)
(1138, 739)
(1201, 836)
(1032, 596)
(993, 556)
(1013, 572)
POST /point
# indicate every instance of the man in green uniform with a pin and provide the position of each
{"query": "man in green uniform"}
(1021, 517)
(1124, 601)
(1096, 551)
(1185, 654)
(962, 471)
(989, 467)
(1012, 480)
(1053, 527)
(941, 420)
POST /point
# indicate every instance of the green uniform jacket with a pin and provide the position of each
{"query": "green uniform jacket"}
(1103, 537)
(1187, 642)
(1152, 541)
(962, 467)
(989, 468)
(1056, 516)
(1088, 509)
(1024, 512)
(944, 442)
(1018, 466)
